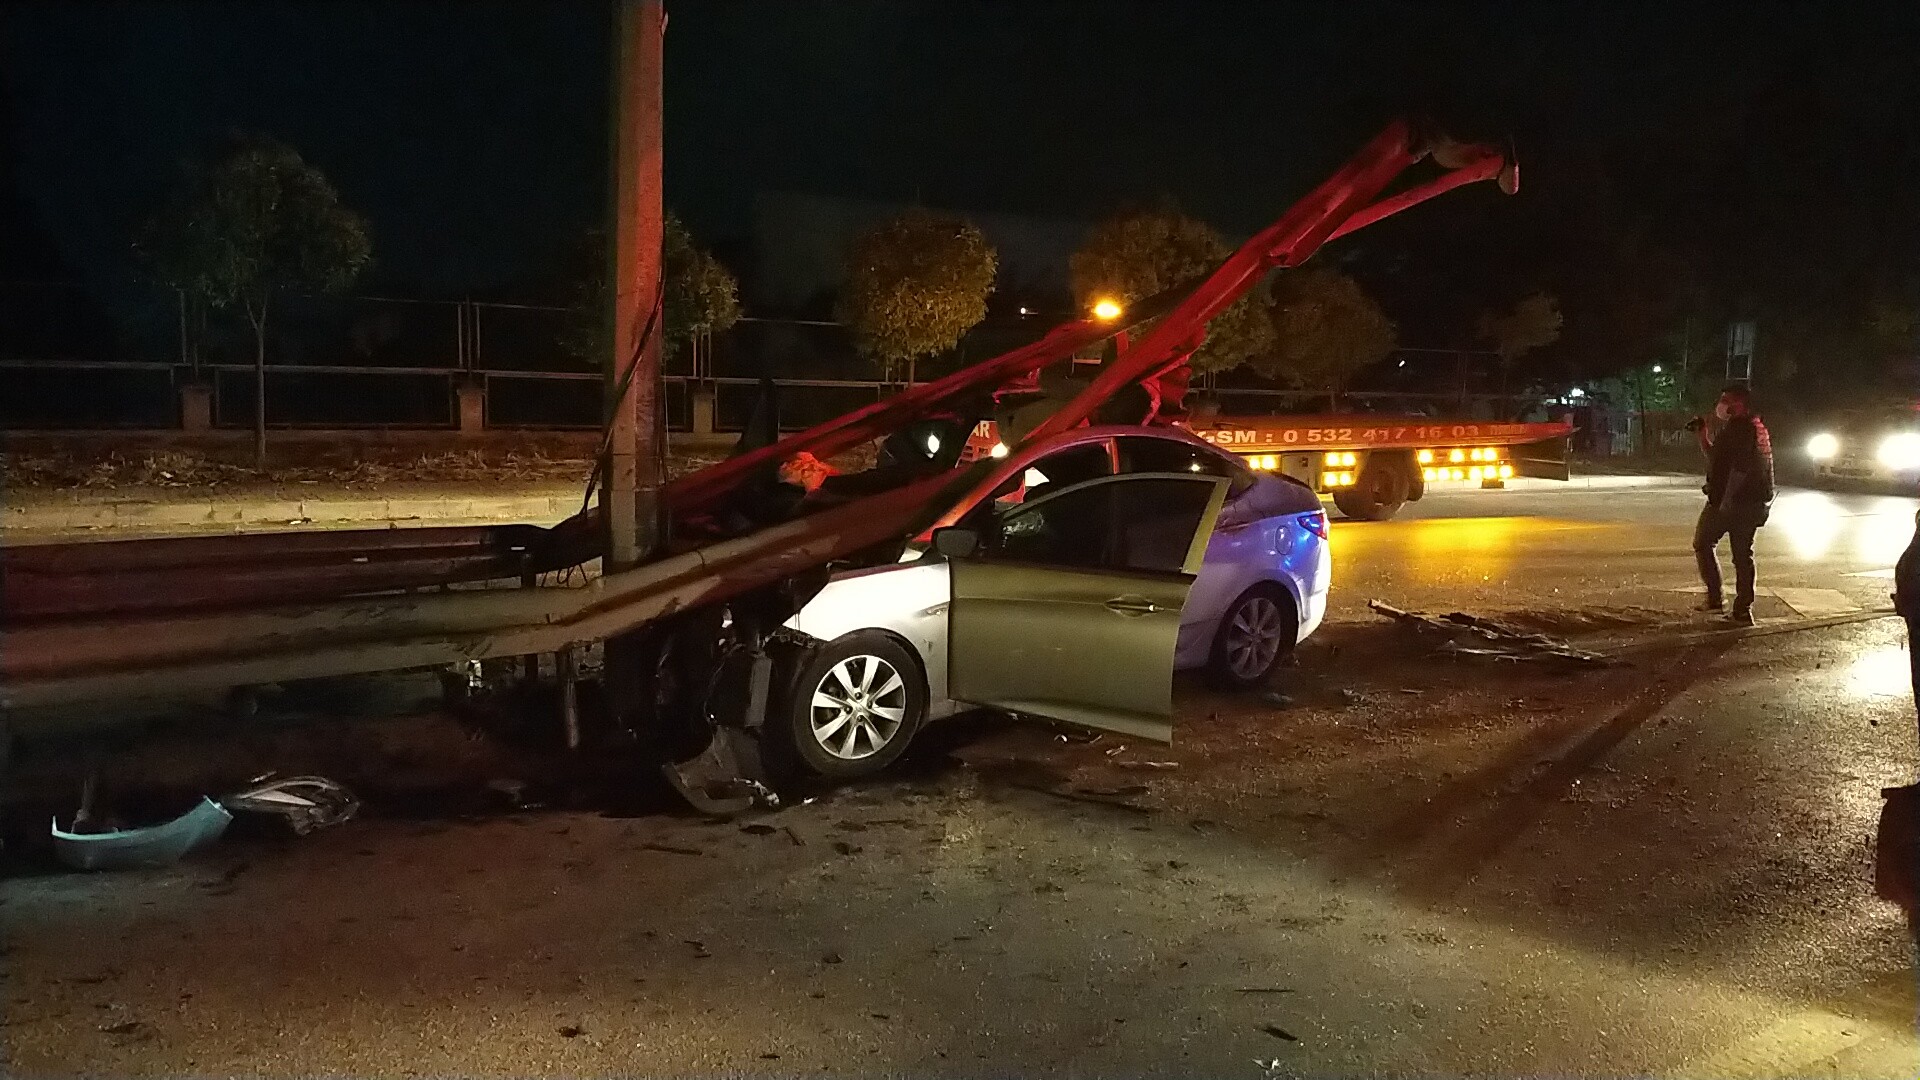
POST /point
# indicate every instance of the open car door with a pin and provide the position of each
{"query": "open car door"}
(1070, 607)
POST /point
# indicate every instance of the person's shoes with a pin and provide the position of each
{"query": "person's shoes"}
(1740, 616)
(1711, 603)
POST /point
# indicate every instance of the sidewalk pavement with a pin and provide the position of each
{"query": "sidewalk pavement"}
(460, 504)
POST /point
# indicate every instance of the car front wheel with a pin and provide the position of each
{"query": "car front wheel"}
(1256, 633)
(856, 704)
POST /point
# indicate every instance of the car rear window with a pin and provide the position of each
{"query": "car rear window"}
(1141, 454)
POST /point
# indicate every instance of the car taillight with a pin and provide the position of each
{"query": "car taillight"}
(1315, 523)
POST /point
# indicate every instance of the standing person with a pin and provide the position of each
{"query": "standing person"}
(1739, 492)
(1906, 602)
(1896, 846)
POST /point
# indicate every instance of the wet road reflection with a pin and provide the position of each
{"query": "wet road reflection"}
(1881, 672)
(1601, 547)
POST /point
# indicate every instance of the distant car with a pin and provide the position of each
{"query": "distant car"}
(1874, 446)
(1069, 581)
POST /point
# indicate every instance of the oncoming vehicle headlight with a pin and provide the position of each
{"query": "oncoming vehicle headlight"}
(1823, 447)
(1901, 451)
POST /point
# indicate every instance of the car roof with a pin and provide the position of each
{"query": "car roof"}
(1107, 431)
(1075, 437)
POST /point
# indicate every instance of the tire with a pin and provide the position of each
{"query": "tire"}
(1384, 485)
(818, 739)
(1258, 631)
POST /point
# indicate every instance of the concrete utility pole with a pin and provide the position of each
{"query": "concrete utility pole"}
(630, 478)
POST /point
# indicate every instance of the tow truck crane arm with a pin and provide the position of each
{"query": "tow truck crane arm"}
(1339, 206)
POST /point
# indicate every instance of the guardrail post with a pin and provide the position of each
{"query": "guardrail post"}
(196, 407)
(470, 397)
(701, 400)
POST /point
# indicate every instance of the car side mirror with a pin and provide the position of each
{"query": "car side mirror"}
(956, 542)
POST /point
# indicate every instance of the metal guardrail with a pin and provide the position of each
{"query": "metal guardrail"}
(334, 396)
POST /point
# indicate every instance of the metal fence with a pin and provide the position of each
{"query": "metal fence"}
(117, 356)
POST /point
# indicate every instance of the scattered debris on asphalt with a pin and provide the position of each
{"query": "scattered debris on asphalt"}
(572, 1031)
(758, 830)
(1122, 792)
(1279, 1032)
(845, 848)
(1462, 634)
(1277, 699)
(123, 1027)
(305, 803)
(1266, 990)
(513, 791)
(831, 958)
(1077, 796)
(672, 849)
(792, 836)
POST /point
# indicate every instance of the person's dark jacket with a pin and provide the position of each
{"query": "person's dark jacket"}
(1742, 455)
(1906, 578)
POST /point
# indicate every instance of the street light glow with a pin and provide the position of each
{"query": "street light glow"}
(1656, 369)
(1106, 309)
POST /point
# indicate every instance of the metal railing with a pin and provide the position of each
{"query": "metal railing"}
(397, 362)
(143, 394)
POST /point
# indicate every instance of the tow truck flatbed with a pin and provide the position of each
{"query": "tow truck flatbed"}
(1371, 465)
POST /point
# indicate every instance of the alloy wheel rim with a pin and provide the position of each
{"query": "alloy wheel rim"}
(858, 707)
(1253, 637)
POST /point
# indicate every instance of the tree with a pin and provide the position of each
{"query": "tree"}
(1326, 328)
(248, 224)
(699, 295)
(915, 285)
(1138, 254)
(1532, 323)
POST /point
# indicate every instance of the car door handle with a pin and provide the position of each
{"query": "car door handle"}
(1132, 605)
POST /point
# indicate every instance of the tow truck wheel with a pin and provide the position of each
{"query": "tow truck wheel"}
(1382, 489)
(856, 704)
(1256, 633)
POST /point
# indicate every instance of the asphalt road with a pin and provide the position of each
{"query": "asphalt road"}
(1627, 546)
(1414, 866)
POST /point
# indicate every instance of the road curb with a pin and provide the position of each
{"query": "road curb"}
(1603, 482)
(146, 514)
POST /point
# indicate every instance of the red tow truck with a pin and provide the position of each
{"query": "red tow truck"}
(1372, 465)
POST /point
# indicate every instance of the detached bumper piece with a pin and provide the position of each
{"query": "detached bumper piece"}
(144, 848)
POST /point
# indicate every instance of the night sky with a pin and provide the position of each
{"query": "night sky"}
(472, 134)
